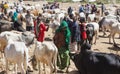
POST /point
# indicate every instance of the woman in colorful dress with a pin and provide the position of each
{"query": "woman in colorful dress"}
(63, 48)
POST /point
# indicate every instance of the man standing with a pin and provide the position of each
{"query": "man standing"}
(88, 10)
(81, 9)
(29, 21)
(103, 8)
(5, 8)
(75, 36)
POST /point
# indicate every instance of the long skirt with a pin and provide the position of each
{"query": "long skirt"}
(63, 59)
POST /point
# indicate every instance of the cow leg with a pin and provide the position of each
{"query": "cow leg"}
(39, 67)
(51, 67)
(96, 34)
(6, 66)
(55, 62)
(113, 38)
(16, 68)
(44, 68)
(103, 29)
(110, 37)
(119, 36)
(21, 68)
(2, 55)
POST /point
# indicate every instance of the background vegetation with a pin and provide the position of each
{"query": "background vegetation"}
(85, 1)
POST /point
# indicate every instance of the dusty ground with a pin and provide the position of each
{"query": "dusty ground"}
(102, 44)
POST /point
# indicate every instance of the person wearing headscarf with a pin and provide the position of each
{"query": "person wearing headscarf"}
(15, 17)
(14, 20)
(63, 50)
(17, 23)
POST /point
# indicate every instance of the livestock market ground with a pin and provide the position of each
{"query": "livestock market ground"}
(102, 44)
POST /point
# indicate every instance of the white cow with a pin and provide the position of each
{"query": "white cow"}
(26, 37)
(82, 14)
(96, 29)
(17, 53)
(54, 24)
(106, 23)
(45, 52)
(91, 17)
(115, 28)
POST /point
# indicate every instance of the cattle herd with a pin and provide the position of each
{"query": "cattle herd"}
(16, 42)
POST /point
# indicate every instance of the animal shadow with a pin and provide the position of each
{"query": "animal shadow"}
(74, 72)
(107, 43)
(71, 72)
(114, 47)
(2, 72)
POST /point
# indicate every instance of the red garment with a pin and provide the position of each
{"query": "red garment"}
(83, 31)
(41, 34)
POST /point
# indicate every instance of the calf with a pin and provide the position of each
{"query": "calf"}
(46, 53)
(17, 53)
(89, 62)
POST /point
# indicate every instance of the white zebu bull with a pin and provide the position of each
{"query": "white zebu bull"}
(107, 22)
(56, 20)
(45, 52)
(54, 24)
(115, 28)
(26, 37)
(17, 53)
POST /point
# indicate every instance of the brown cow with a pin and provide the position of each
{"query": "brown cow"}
(35, 12)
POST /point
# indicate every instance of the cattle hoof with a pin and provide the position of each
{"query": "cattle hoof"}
(97, 37)
(67, 71)
(115, 45)
(36, 69)
(110, 42)
(54, 71)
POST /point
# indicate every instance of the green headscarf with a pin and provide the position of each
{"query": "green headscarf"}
(67, 31)
(15, 16)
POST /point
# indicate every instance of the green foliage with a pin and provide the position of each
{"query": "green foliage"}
(86, 1)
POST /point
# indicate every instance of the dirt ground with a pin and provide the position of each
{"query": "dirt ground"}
(102, 44)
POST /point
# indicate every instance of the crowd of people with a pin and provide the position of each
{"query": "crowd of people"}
(73, 30)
